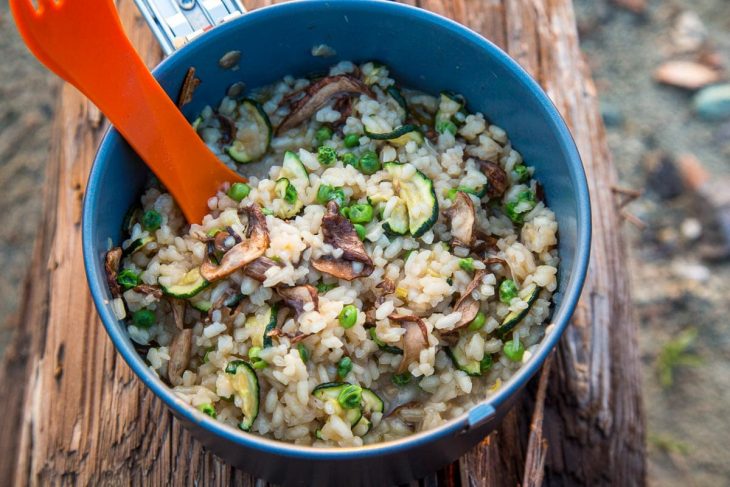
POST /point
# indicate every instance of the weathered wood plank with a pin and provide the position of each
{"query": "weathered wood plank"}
(85, 419)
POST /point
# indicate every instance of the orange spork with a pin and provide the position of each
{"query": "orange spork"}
(83, 42)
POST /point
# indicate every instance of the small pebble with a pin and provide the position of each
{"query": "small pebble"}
(611, 114)
(713, 103)
(691, 228)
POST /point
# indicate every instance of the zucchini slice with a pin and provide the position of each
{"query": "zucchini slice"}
(190, 285)
(371, 403)
(398, 97)
(398, 137)
(452, 109)
(253, 134)
(293, 170)
(262, 323)
(137, 244)
(246, 391)
(329, 392)
(474, 368)
(529, 295)
(395, 221)
(382, 345)
(203, 305)
(291, 203)
(416, 190)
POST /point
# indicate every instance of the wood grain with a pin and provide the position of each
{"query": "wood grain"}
(81, 417)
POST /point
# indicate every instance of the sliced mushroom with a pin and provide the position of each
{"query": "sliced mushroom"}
(293, 339)
(228, 129)
(387, 286)
(178, 312)
(148, 290)
(339, 232)
(224, 241)
(179, 355)
(462, 216)
(467, 305)
(190, 84)
(413, 341)
(484, 241)
(111, 266)
(250, 249)
(257, 269)
(496, 176)
(317, 95)
(342, 269)
(296, 297)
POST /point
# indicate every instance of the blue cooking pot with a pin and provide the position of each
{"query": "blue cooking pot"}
(424, 51)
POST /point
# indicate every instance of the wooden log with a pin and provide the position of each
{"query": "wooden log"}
(80, 415)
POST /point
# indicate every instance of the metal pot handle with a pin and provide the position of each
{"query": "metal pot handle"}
(176, 22)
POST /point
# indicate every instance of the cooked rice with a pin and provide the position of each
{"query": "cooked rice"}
(427, 282)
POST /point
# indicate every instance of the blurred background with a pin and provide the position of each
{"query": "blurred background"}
(661, 68)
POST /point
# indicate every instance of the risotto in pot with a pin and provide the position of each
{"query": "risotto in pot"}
(388, 265)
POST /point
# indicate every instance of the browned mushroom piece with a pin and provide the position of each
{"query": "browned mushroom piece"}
(293, 339)
(462, 217)
(179, 355)
(111, 266)
(190, 84)
(250, 249)
(339, 232)
(467, 305)
(317, 94)
(178, 312)
(148, 290)
(227, 128)
(496, 176)
(413, 341)
(484, 241)
(387, 286)
(257, 268)
(224, 241)
(296, 297)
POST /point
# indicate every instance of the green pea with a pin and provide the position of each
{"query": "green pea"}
(401, 379)
(303, 352)
(144, 318)
(208, 409)
(444, 126)
(507, 291)
(324, 193)
(323, 134)
(128, 279)
(348, 316)
(350, 397)
(361, 213)
(467, 264)
(349, 159)
(352, 140)
(238, 191)
(344, 366)
(522, 173)
(360, 229)
(326, 155)
(151, 220)
(514, 350)
(369, 163)
(478, 322)
(338, 196)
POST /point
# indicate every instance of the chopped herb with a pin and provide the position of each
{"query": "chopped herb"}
(523, 204)
(151, 220)
(344, 366)
(323, 288)
(443, 126)
(523, 174)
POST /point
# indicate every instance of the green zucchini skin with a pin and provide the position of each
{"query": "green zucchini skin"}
(239, 151)
(418, 194)
(187, 291)
(329, 391)
(529, 295)
(247, 388)
(382, 345)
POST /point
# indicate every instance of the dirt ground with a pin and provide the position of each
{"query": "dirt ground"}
(680, 275)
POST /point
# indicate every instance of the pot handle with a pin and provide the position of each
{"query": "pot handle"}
(176, 22)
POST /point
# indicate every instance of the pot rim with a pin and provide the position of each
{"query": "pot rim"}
(560, 318)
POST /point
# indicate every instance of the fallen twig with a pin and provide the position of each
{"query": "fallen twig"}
(629, 193)
(537, 445)
(633, 219)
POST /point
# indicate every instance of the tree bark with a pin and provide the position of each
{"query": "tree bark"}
(75, 413)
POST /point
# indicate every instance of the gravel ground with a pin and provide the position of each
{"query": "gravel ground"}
(678, 289)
